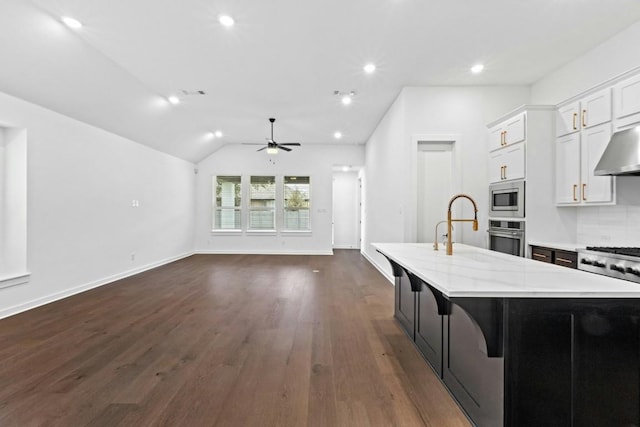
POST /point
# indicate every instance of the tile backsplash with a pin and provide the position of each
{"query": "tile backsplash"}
(617, 225)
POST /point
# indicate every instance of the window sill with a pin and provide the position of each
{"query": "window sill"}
(296, 232)
(14, 280)
(262, 232)
(227, 232)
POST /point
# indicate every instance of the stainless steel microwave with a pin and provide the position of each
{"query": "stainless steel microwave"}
(506, 199)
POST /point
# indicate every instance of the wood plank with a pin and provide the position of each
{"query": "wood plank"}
(222, 340)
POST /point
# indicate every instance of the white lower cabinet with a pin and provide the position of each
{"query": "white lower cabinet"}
(577, 155)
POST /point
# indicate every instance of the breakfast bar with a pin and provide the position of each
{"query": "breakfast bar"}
(519, 342)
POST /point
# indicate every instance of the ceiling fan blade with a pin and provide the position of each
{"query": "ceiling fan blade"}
(297, 144)
(284, 148)
(260, 149)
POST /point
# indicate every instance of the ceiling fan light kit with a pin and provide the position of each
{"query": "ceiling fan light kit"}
(272, 146)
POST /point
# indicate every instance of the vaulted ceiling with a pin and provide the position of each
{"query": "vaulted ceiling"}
(282, 58)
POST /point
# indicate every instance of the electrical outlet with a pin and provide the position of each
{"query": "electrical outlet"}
(133, 256)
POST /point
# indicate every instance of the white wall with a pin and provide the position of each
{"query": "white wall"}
(346, 210)
(391, 157)
(315, 161)
(82, 228)
(606, 225)
(607, 60)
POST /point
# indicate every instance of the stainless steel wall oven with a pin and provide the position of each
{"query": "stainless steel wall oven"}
(507, 237)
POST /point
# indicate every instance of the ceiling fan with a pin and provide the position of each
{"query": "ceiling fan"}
(272, 146)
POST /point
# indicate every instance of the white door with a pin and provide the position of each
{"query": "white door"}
(346, 210)
(435, 188)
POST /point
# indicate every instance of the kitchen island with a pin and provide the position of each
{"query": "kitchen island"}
(519, 342)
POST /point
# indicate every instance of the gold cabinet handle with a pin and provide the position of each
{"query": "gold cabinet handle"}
(584, 118)
(505, 137)
(584, 191)
(501, 172)
(575, 124)
(539, 255)
(575, 187)
(567, 261)
(505, 171)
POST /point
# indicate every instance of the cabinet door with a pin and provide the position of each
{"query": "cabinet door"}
(496, 137)
(405, 304)
(514, 129)
(514, 162)
(568, 119)
(595, 189)
(626, 101)
(596, 109)
(496, 166)
(568, 169)
(429, 328)
(475, 379)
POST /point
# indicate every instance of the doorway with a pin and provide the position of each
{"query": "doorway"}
(436, 185)
(346, 209)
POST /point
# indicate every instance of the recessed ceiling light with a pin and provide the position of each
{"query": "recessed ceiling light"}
(346, 99)
(71, 22)
(226, 20)
(369, 68)
(477, 68)
(218, 134)
(210, 135)
(337, 135)
(174, 100)
(345, 168)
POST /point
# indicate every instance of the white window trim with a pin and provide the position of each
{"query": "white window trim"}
(214, 206)
(14, 280)
(282, 208)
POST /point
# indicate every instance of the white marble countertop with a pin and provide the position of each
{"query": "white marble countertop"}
(476, 272)
(572, 247)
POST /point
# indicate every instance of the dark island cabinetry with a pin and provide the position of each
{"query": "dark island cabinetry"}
(512, 361)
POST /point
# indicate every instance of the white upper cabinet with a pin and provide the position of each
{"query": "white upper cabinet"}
(595, 189)
(509, 132)
(507, 164)
(589, 111)
(568, 169)
(577, 155)
(596, 109)
(626, 102)
(567, 119)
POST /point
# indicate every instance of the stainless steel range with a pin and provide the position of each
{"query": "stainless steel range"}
(619, 262)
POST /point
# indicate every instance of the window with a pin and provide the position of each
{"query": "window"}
(262, 203)
(296, 203)
(228, 206)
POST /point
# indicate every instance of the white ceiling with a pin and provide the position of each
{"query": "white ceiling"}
(283, 59)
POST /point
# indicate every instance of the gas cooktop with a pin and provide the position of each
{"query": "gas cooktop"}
(619, 262)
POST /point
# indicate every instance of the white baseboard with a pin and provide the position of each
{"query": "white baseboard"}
(345, 247)
(260, 252)
(389, 277)
(10, 311)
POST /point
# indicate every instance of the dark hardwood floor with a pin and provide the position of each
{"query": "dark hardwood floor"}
(224, 340)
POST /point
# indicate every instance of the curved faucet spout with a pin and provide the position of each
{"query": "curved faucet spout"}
(450, 220)
(435, 240)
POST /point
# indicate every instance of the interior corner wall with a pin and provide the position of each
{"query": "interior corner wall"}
(390, 194)
(312, 160)
(82, 228)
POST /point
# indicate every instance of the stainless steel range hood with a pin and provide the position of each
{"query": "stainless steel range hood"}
(622, 155)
